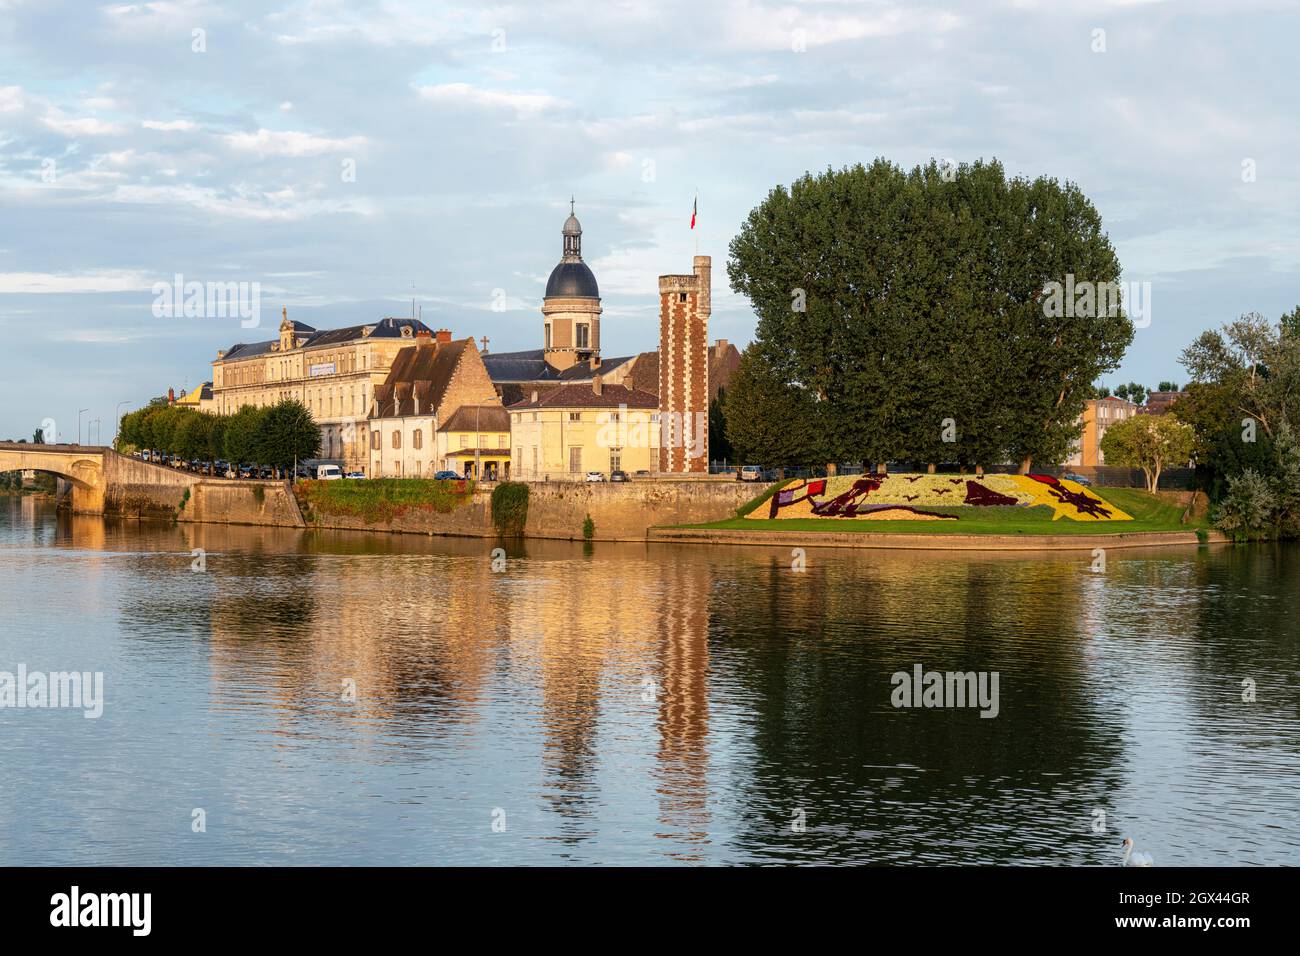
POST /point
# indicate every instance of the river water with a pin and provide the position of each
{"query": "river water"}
(343, 698)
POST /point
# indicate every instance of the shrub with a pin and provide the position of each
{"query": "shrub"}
(1248, 509)
(510, 508)
(588, 528)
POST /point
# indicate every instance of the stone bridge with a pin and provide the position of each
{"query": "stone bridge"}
(105, 482)
(101, 479)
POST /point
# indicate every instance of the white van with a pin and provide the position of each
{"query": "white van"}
(328, 473)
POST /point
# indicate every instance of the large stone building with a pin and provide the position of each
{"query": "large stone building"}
(567, 431)
(334, 373)
(437, 410)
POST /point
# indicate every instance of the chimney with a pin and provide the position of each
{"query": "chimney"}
(221, 353)
(595, 361)
(424, 337)
(721, 345)
(598, 385)
(444, 336)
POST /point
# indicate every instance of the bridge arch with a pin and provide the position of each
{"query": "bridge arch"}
(81, 466)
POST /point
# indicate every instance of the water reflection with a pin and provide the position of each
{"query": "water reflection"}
(337, 697)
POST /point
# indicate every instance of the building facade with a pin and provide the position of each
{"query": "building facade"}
(437, 410)
(333, 372)
(563, 433)
(1098, 415)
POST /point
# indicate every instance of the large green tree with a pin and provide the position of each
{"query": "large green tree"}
(768, 421)
(913, 307)
(287, 434)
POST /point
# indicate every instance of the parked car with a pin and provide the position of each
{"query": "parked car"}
(447, 476)
(247, 471)
(355, 475)
(751, 473)
(595, 476)
(641, 473)
(328, 473)
(618, 475)
(1077, 479)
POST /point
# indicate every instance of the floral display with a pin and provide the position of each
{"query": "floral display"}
(910, 497)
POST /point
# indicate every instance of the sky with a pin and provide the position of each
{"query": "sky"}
(352, 156)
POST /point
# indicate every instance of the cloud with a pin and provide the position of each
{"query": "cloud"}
(11, 98)
(463, 94)
(267, 142)
(170, 126)
(45, 283)
(65, 125)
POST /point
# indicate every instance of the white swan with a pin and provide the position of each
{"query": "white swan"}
(1135, 859)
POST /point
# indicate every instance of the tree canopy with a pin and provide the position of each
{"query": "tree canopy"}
(914, 309)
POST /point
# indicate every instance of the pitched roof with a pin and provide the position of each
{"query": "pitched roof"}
(420, 373)
(388, 328)
(583, 396)
(480, 418)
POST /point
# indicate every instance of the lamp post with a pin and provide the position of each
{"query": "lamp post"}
(79, 411)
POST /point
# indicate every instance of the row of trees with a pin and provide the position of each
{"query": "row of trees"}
(1243, 406)
(275, 436)
(907, 316)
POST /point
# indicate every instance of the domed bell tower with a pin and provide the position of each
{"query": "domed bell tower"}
(571, 306)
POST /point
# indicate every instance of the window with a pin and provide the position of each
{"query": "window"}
(681, 296)
(583, 335)
(575, 416)
(397, 439)
(548, 335)
(575, 459)
(374, 441)
(534, 459)
(464, 441)
(417, 438)
(616, 459)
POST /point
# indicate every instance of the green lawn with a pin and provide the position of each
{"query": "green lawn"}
(1149, 512)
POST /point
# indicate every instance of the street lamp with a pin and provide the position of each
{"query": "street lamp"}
(79, 411)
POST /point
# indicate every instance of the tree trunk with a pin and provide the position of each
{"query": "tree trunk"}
(1026, 465)
(979, 471)
(1153, 480)
(929, 469)
(880, 468)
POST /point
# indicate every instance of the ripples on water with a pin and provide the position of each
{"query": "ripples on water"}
(638, 704)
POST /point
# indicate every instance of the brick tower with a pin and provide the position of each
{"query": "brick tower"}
(684, 307)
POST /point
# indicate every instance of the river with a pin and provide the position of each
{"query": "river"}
(346, 698)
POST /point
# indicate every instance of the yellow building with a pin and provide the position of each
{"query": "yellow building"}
(333, 372)
(1098, 415)
(565, 432)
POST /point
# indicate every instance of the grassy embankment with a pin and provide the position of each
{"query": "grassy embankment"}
(378, 500)
(1150, 512)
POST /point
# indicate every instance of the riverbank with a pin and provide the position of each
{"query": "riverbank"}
(1156, 519)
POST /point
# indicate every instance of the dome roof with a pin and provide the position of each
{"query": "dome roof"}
(572, 280)
(571, 226)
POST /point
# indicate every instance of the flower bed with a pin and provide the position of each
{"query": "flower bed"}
(901, 496)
